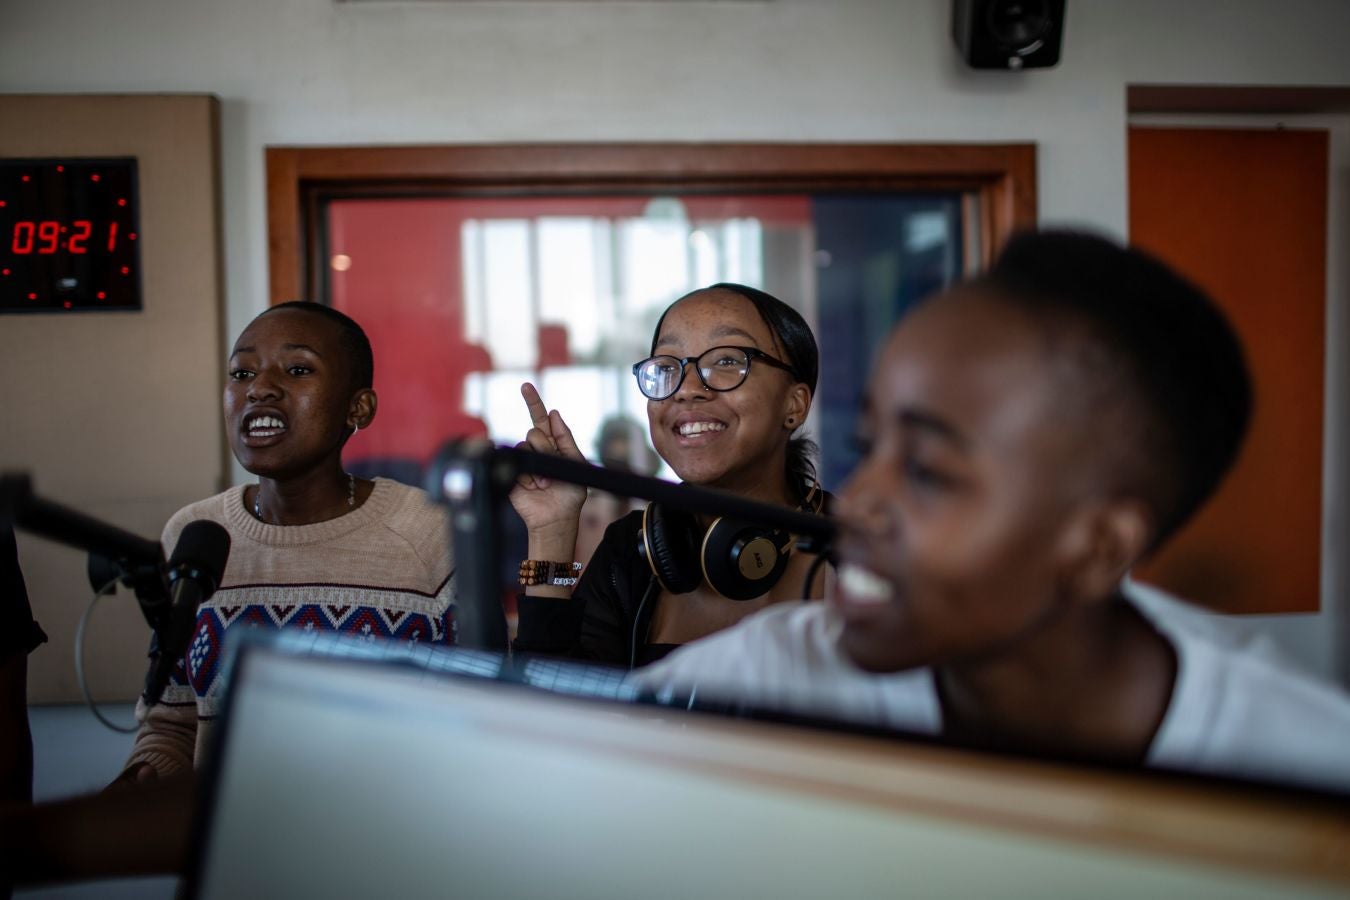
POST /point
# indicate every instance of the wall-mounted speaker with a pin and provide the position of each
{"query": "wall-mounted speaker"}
(1008, 34)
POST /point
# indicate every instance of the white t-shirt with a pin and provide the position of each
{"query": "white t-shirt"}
(1236, 709)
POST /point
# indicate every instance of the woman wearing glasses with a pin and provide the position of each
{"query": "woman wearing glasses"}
(728, 385)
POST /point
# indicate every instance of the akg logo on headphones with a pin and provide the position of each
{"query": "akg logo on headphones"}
(757, 558)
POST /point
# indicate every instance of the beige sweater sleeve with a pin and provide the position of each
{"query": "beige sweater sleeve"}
(167, 738)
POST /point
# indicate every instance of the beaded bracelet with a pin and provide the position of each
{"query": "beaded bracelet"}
(556, 574)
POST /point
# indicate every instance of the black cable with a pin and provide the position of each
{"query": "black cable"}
(652, 587)
(79, 664)
(811, 575)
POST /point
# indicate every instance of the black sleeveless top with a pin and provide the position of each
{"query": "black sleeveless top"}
(608, 616)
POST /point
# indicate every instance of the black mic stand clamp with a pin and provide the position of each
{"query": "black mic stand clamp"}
(473, 480)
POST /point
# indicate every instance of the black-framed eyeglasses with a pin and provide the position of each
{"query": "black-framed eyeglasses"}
(720, 369)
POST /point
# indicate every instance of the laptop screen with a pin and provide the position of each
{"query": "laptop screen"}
(353, 778)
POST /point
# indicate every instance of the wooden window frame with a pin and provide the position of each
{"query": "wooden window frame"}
(1001, 176)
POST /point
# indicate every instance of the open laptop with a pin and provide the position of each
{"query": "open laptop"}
(346, 774)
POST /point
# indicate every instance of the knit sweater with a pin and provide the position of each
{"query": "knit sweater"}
(382, 570)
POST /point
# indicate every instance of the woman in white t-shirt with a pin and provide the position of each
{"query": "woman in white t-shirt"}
(1031, 435)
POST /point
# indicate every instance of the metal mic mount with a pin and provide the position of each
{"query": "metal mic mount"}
(474, 477)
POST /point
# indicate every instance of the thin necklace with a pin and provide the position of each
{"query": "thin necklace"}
(351, 497)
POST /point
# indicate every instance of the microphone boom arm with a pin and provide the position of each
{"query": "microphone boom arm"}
(136, 561)
(21, 507)
(505, 464)
(473, 476)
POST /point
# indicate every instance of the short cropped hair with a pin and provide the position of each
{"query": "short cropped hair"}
(1177, 352)
(355, 344)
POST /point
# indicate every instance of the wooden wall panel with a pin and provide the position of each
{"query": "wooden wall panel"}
(118, 414)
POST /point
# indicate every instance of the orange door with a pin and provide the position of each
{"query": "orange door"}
(1244, 214)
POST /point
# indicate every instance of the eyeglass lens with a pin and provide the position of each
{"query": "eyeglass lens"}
(721, 368)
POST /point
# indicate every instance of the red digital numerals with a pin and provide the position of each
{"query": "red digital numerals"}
(47, 238)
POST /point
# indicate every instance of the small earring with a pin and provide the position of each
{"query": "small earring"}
(791, 420)
(356, 426)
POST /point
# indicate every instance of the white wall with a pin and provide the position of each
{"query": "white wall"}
(320, 72)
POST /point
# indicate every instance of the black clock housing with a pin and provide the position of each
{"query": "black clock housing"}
(69, 235)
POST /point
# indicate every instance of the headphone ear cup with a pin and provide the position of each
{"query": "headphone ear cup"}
(670, 547)
(743, 561)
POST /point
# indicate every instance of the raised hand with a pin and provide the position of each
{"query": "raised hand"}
(551, 509)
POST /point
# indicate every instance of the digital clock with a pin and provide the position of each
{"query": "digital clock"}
(68, 235)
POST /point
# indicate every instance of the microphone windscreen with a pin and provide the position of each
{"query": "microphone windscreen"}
(203, 546)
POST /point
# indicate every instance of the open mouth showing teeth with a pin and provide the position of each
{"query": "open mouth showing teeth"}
(692, 428)
(264, 426)
(863, 586)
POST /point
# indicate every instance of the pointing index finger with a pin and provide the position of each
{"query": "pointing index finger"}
(538, 412)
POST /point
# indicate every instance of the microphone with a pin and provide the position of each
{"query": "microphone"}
(473, 476)
(168, 593)
(194, 572)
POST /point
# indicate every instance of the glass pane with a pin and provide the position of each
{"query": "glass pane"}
(876, 256)
(466, 297)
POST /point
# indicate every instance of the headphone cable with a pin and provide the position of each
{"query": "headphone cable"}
(637, 623)
(811, 575)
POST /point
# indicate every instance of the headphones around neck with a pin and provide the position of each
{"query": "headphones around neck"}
(741, 560)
